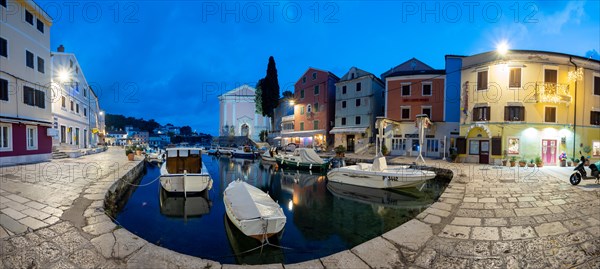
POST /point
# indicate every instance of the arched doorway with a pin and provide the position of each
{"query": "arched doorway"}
(245, 130)
(478, 137)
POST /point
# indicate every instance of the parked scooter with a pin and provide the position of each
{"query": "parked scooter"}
(582, 172)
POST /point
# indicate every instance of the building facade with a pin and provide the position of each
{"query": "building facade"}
(314, 110)
(25, 104)
(414, 88)
(76, 112)
(529, 104)
(358, 102)
(238, 115)
(283, 110)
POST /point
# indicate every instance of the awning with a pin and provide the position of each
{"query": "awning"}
(348, 130)
(309, 133)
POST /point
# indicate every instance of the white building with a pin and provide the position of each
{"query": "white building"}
(25, 112)
(75, 108)
(238, 115)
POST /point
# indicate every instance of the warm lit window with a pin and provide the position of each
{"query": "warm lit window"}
(514, 113)
(5, 137)
(482, 80)
(514, 78)
(32, 138)
(550, 114)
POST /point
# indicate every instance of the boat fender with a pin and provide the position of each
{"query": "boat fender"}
(298, 164)
(386, 181)
(310, 167)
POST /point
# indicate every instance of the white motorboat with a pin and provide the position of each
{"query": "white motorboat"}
(380, 176)
(253, 211)
(184, 172)
(269, 155)
(303, 158)
(154, 155)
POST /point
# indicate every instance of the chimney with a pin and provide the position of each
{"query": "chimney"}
(61, 48)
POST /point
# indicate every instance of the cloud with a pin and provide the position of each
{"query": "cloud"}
(572, 13)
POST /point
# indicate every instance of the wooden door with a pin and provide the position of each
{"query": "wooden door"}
(484, 151)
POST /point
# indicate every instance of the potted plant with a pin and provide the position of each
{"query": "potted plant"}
(522, 163)
(563, 159)
(129, 154)
(505, 158)
(531, 163)
(538, 162)
(138, 150)
(513, 159)
(587, 150)
(340, 151)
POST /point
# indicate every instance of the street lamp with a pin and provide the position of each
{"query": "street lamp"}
(292, 102)
(502, 48)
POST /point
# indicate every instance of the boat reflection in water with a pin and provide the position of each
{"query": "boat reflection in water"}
(247, 250)
(410, 198)
(177, 206)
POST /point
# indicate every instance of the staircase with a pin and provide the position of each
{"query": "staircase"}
(57, 154)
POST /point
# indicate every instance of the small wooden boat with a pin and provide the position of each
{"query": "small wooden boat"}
(184, 172)
(253, 211)
(245, 152)
(379, 175)
(304, 159)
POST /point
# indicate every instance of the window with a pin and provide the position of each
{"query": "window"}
(84, 92)
(481, 113)
(316, 107)
(343, 121)
(302, 110)
(550, 75)
(514, 78)
(41, 65)
(514, 113)
(595, 118)
(40, 98)
(40, 26)
(343, 89)
(550, 114)
(426, 110)
(29, 59)
(406, 90)
(358, 102)
(314, 75)
(32, 138)
(63, 134)
(358, 86)
(63, 101)
(3, 89)
(28, 17)
(77, 108)
(315, 125)
(596, 148)
(596, 85)
(5, 137)
(405, 113)
(3, 47)
(302, 94)
(308, 108)
(482, 80)
(302, 126)
(474, 147)
(77, 136)
(28, 96)
(316, 89)
(70, 63)
(357, 120)
(343, 104)
(85, 112)
(72, 106)
(426, 89)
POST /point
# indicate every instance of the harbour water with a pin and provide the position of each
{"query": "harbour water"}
(322, 217)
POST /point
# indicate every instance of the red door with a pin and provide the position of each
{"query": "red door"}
(549, 151)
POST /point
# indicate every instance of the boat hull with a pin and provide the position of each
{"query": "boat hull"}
(302, 166)
(193, 182)
(401, 178)
(249, 155)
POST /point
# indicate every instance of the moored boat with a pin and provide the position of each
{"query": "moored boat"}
(245, 152)
(303, 158)
(379, 175)
(269, 155)
(184, 172)
(253, 211)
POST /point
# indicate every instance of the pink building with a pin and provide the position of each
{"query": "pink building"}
(238, 115)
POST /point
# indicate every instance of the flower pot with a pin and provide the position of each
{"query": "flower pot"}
(130, 156)
(539, 164)
(512, 164)
(504, 162)
(531, 165)
(522, 164)
(563, 163)
(569, 163)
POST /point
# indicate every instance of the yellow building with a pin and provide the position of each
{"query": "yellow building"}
(529, 104)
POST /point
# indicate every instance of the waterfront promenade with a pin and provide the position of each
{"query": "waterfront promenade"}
(52, 216)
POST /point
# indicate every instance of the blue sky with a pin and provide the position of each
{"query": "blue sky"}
(169, 60)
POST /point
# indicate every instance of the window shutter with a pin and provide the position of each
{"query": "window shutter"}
(522, 113)
(461, 145)
(506, 113)
(487, 117)
(496, 146)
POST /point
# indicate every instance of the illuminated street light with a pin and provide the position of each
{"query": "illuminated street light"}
(502, 48)
(292, 102)
(63, 75)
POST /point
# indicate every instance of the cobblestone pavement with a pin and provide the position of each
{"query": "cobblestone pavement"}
(488, 217)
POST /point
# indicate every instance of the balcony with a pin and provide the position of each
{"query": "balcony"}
(287, 118)
(546, 92)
